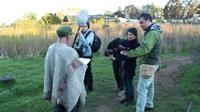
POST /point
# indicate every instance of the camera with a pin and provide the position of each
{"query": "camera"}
(122, 48)
(108, 52)
(117, 49)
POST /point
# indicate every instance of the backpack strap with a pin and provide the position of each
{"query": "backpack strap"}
(84, 36)
(87, 34)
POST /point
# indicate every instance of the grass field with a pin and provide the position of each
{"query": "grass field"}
(190, 84)
(25, 94)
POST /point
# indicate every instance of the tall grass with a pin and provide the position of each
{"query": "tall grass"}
(23, 46)
(33, 40)
(180, 37)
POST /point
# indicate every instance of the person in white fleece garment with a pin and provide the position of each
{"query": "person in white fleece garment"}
(64, 75)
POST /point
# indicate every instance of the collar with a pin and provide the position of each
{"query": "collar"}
(149, 28)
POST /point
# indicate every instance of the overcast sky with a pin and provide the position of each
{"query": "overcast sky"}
(10, 10)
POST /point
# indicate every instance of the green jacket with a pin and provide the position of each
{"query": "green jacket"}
(150, 47)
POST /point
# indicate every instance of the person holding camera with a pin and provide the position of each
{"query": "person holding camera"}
(86, 38)
(129, 66)
(113, 53)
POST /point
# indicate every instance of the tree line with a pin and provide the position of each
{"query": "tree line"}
(174, 9)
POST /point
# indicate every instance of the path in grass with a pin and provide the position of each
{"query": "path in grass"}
(168, 94)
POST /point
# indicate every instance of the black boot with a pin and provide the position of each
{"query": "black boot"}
(148, 109)
(130, 101)
(124, 100)
(131, 98)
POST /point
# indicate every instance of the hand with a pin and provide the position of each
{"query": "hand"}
(111, 57)
(124, 53)
(80, 35)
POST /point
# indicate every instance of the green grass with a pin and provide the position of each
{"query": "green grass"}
(190, 83)
(25, 94)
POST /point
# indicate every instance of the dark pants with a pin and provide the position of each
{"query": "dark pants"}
(118, 76)
(129, 72)
(61, 108)
(129, 87)
(88, 81)
(128, 83)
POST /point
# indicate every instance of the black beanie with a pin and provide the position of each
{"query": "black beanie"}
(133, 31)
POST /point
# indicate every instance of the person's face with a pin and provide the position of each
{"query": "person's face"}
(144, 24)
(84, 28)
(130, 36)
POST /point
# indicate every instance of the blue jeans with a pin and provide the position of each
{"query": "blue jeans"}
(129, 87)
(145, 90)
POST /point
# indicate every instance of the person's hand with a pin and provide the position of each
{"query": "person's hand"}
(80, 35)
(111, 57)
(124, 53)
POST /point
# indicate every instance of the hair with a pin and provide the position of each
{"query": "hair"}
(64, 36)
(145, 16)
(60, 35)
(88, 24)
(133, 31)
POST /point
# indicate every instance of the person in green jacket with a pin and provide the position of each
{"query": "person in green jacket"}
(149, 51)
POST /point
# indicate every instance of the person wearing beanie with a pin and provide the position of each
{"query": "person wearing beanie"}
(85, 41)
(129, 67)
(64, 74)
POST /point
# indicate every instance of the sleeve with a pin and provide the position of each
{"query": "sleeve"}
(88, 40)
(145, 47)
(113, 43)
(47, 78)
(109, 45)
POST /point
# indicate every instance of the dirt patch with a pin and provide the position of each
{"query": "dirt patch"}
(168, 78)
(168, 94)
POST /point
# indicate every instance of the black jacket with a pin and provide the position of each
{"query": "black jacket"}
(130, 63)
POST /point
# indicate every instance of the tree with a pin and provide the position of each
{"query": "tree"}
(50, 18)
(174, 9)
(155, 12)
(189, 8)
(179, 9)
(29, 19)
(119, 13)
(61, 15)
(116, 21)
(167, 11)
(158, 13)
(30, 16)
(108, 13)
(131, 11)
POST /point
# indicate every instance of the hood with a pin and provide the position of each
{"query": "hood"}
(155, 26)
